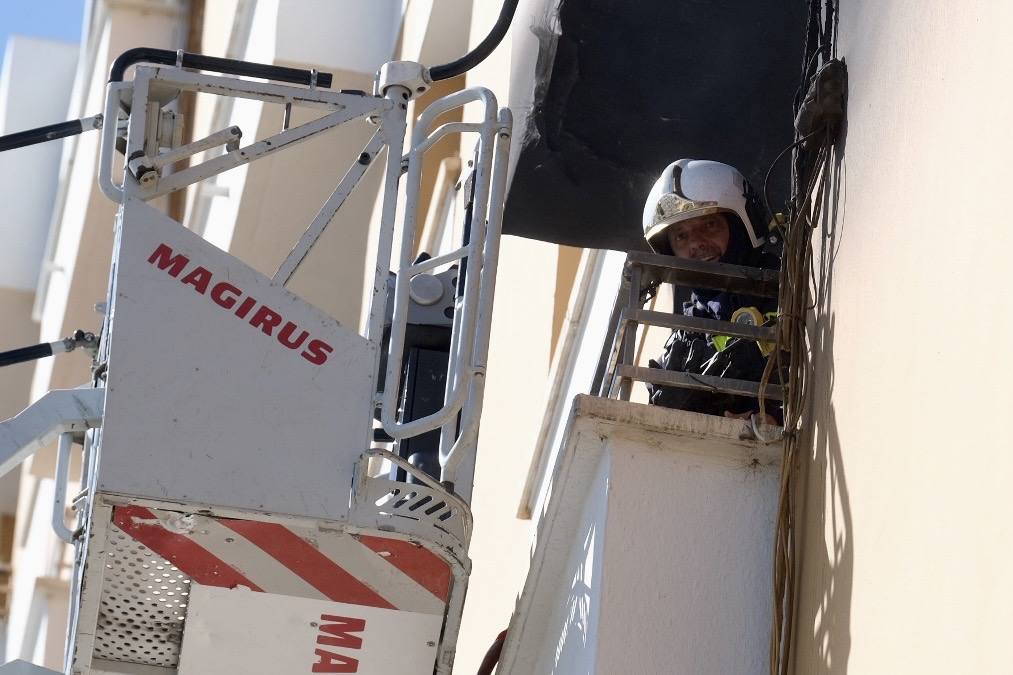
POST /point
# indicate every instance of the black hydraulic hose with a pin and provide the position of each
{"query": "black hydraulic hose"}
(9, 358)
(49, 132)
(80, 338)
(166, 57)
(216, 64)
(484, 48)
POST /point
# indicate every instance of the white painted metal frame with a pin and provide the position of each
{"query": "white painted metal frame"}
(473, 311)
(63, 448)
(57, 412)
(472, 319)
(444, 525)
(423, 508)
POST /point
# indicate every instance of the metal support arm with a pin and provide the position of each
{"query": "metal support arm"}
(59, 411)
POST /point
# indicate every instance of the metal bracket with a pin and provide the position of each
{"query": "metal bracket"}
(38, 425)
(83, 339)
(412, 76)
(147, 169)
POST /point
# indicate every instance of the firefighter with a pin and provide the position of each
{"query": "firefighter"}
(707, 211)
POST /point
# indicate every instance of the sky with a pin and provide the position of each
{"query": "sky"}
(55, 19)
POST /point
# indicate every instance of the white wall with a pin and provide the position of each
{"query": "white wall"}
(654, 552)
(573, 628)
(354, 35)
(585, 331)
(35, 88)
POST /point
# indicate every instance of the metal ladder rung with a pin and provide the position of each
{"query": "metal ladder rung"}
(701, 325)
(723, 385)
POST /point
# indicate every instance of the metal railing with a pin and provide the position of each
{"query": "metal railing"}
(642, 274)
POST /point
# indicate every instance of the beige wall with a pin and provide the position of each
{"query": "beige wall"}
(283, 193)
(907, 540)
(18, 331)
(519, 358)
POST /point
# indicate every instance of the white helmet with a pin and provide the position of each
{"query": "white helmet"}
(689, 188)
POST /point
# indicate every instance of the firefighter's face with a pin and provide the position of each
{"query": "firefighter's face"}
(700, 238)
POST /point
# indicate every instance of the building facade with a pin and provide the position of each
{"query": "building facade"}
(903, 522)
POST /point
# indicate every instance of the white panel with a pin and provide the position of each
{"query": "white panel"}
(574, 623)
(658, 530)
(226, 631)
(203, 405)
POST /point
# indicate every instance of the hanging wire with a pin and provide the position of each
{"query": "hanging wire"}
(801, 286)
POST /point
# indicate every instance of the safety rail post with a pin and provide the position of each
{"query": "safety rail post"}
(63, 448)
(451, 459)
(469, 315)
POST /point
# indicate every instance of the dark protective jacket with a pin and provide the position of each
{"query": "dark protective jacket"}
(696, 353)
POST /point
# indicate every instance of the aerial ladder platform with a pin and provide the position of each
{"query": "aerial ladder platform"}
(244, 504)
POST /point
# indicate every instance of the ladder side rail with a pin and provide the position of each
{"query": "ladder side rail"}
(463, 317)
(63, 448)
(107, 147)
(82, 505)
(629, 345)
(453, 458)
(461, 365)
(621, 326)
(393, 125)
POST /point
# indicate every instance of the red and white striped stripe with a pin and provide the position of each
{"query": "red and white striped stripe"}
(273, 558)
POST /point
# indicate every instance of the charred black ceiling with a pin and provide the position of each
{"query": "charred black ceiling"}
(631, 85)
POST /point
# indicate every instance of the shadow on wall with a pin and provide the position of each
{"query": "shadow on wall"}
(826, 542)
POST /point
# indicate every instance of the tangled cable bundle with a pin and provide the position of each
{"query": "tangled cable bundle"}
(800, 285)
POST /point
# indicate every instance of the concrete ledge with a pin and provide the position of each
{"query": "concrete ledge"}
(696, 432)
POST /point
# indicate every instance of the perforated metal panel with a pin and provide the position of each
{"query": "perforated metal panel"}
(143, 604)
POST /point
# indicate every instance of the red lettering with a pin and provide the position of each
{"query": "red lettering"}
(199, 278)
(329, 662)
(266, 319)
(244, 307)
(285, 336)
(339, 630)
(218, 294)
(227, 296)
(163, 258)
(316, 352)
